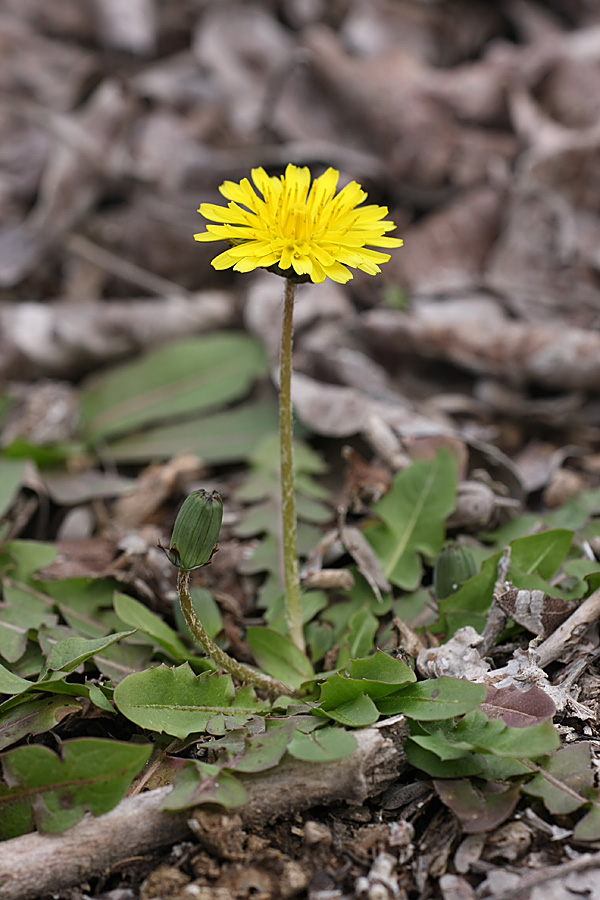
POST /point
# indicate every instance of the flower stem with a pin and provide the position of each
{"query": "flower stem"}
(239, 670)
(293, 608)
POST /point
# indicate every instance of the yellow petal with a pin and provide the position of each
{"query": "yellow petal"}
(300, 224)
(338, 272)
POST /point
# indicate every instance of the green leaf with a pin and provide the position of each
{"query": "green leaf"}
(264, 470)
(138, 616)
(588, 828)
(413, 516)
(382, 668)
(122, 659)
(439, 744)
(33, 717)
(475, 732)
(176, 701)
(541, 553)
(25, 558)
(279, 657)
(53, 792)
(84, 603)
(201, 783)
(264, 751)
(529, 743)
(480, 807)
(319, 640)
(12, 474)
(12, 684)
(441, 756)
(438, 698)
(362, 628)
(429, 762)
(571, 765)
(323, 745)
(470, 604)
(68, 655)
(339, 689)
(15, 625)
(49, 455)
(355, 713)
(98, 698)
(187, 376)
(313, 602)
(388, 674)
(575, 512)
(23, 598)
(56, 683)
(224, 437)
(500, 768)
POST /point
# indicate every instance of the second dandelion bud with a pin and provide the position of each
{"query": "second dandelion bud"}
(196, 530)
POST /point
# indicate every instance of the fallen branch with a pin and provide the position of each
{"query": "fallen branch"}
(36, 864)
(564, 641)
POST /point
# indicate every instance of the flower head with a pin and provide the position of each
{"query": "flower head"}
(301, 230)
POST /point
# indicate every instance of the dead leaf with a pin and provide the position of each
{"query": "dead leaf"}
(448, 249)
(518, 709)
(63, 340)
(479, 808)
(474, 334)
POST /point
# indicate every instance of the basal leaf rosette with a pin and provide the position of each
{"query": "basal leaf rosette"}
(304, 231)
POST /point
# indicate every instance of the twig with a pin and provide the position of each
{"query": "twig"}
(123, 268)
(496, 618)
(555, 782)
(543, 876)
(563, 642)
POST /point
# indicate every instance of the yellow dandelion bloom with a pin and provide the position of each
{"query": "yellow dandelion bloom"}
(300, 230)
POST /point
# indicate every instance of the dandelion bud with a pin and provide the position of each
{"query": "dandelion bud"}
(453, 566)
(196, 530)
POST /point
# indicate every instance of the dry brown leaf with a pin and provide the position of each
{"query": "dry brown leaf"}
(130, 26)
(70, 19)
(63, 340)
(475, 335)
(71, 183)
(446, 251)
(244, 49)
(403, 123)
(53, 73)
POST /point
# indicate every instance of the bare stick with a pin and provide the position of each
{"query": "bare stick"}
(546, 875)
(36, 864)
(563, 642)
(124, 268)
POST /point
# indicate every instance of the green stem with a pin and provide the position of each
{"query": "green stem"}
(293, 608)
(239, 670)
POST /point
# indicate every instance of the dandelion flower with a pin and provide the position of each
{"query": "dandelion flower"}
(304, 231)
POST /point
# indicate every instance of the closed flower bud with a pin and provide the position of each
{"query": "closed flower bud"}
(196, 530)
(453, 566)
